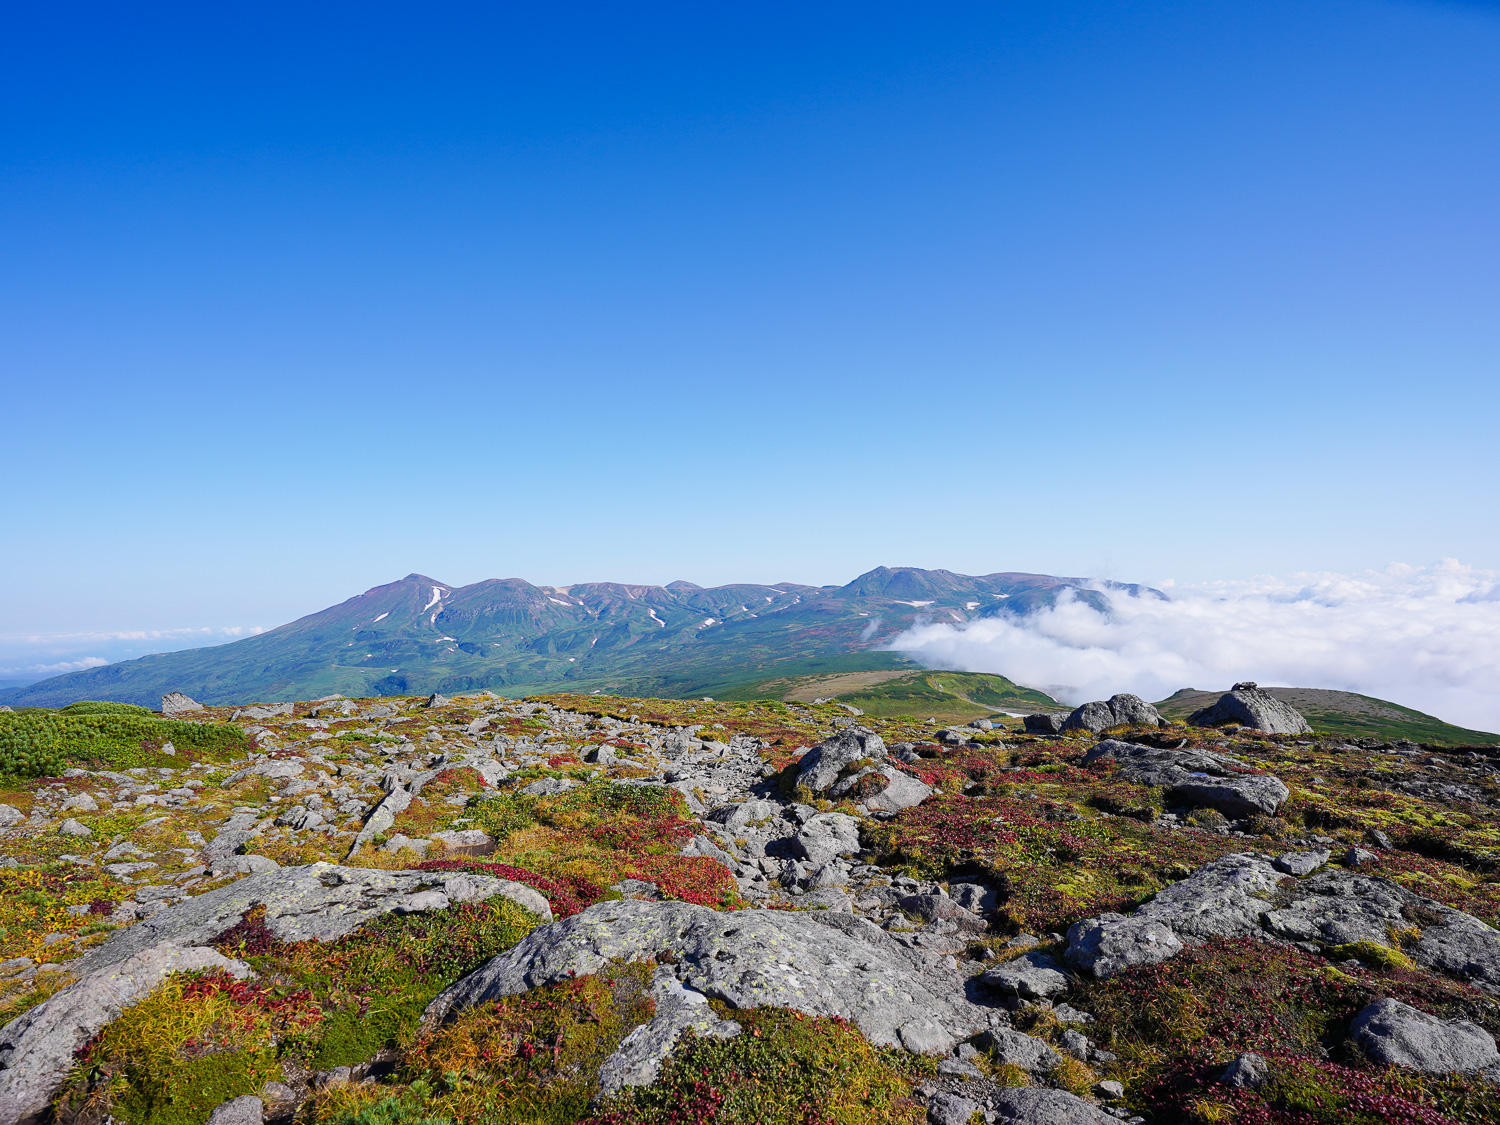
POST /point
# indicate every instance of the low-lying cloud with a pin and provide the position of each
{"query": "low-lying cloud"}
(1426, 637)
(37, 656)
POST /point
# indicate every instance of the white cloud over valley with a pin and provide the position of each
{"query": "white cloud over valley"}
(1426, 637)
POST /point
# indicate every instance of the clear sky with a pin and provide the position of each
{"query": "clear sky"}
(298, 298)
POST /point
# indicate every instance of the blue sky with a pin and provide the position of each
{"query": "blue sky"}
(297, 299)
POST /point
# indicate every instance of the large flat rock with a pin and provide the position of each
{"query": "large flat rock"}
(819, 962)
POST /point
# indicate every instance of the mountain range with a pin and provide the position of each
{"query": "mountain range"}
(419, 635)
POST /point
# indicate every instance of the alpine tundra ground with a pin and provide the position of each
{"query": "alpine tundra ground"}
(395, 911)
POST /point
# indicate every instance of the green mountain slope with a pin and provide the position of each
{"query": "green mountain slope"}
(1346, 713)
(420, 635)
(946, 696)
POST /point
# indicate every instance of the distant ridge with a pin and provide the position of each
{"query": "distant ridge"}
(419, 635)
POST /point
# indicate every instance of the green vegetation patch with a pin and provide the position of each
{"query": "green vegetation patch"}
(1176, 1025)
(784, 1068)
(531, 1058)
(44, 743)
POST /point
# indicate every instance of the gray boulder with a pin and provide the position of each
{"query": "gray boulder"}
(1235, 797)
(823, 963)
(821, 766)
(1030, 1105)
(1397, 1034)
(897, 790)
(1246, 1071)
(1032, 976)
(260, 711)
(1249, 706)
(320, 901)
(941, 908)
(174, 703)
(1301, 863)
(975, 897)
(1225, 898)
(37, 1048)
(1015, 1048)
(944, 1108)
(640, 1054)
(1195, 777)
(248, 1110)
(1050, 722)
(1119, 710)
(1339, 908)
(825, 837)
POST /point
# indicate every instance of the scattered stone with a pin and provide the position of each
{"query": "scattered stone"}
(10, 816)
(1120, 710)
(1050, 722)
(247, 1110)
(941, 908)
(944, 1108)
(1249, 706)
(1397, 1034)
(71, 827)
(436, 700)
(827, 836)
(1247, 1071)
(1336, 908)
(1195, 777)
(82, 802)
(1030, 1105)
(1110, 1089)
(1015, 1048)
(1225, 898)
(549, 786)
(640, 1054)
(467, 841)
(174, 703)
(1301, 863)
(821, 767)
(1357, 857)
(1032, 976)
(262, 711)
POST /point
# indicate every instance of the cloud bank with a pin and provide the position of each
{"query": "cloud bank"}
(1425, 637)
(37, 656)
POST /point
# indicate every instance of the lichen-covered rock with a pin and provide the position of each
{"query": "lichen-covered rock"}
(1249, 706)
(941, 908)
(1107, 943)
(638, 1058)
(247, 1110)
(944, 1108)
(821, 766)
(1032, 976)
(1397, 1034)
(1225, 898)
(1235, 797)
(320, 901)
(823, 963)
(1029, 1105)
(1339, 908)
(174, 703)
(1247, 1071)
(827, 836)
(37, 1048)
(1195, 777)
(1119, 710)
(1016, 1048)
(1049, 722)
(1301, 863)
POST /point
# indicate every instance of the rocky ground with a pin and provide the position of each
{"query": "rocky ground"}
(588, 908)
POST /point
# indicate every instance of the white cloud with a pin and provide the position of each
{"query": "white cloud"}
(1426, 637)
(40, 655)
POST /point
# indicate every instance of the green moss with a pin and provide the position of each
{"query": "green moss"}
(1373, 953)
